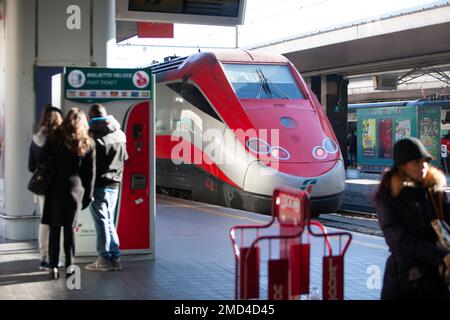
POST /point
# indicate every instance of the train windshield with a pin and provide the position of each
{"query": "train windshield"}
(253, 81)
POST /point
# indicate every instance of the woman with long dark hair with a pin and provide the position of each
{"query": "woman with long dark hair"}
(51, 120)
(72, 188)
(406, 201)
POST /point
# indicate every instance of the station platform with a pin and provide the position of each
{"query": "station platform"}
(360, 188)
(194, 261)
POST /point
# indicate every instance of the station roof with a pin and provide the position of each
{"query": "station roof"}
(397, 41)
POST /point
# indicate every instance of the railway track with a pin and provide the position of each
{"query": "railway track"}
(355, 221)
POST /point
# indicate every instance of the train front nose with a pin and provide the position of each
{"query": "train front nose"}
(307, 157)
(325, 182)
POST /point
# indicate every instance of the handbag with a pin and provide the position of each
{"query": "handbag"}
(442, 231)
(42, 178)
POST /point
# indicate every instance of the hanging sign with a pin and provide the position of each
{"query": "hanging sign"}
(90, 85)
(154, 30)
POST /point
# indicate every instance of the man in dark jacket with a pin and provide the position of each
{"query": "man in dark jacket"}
(111, 152)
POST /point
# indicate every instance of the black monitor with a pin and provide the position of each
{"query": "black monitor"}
(211, 12)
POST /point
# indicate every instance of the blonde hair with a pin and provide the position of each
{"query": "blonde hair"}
(75, 132)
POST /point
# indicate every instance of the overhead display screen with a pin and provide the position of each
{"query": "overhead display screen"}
(220, 8)
(211, 12)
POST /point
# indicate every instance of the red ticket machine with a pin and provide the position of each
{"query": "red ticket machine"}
(133, 220)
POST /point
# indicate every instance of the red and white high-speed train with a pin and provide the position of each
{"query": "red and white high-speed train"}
(233, 126)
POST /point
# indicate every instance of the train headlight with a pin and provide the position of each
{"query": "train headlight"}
(280, 153)
(330, 146)
(319, 153)
(258, 146)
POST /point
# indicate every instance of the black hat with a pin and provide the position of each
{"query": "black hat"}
(409, 149)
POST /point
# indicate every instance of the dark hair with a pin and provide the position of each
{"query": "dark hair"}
(51, 119)
(385, 184)
(97, 111)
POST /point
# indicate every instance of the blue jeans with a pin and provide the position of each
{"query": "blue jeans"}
(103, 210)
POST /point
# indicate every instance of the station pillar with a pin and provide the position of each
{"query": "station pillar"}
(33, 34)
(17, 221)
(332, 92)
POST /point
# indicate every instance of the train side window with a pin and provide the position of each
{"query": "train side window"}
(193, 95)
(162, 121)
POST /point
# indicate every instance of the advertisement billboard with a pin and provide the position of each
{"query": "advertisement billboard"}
(429, 129)
(385, 139)
(368, 138)
(380, 127)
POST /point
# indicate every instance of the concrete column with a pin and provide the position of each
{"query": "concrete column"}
(337, 108)
(41, 33)
(323, 92)
(17, 220)
(2, 103)
(331, 91)
(316, 87)
(104, 31)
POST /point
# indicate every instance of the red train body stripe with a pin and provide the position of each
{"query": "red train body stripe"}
(165, 147)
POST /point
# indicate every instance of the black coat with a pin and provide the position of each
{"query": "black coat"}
(37, 150)
(405, 212)
(111, 151)
(72, 187)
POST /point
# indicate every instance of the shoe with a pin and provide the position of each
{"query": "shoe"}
(116, 264)
(54, 273)
(44, 265)
(101, 264)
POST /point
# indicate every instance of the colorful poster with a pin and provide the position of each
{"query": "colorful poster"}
(385, 139)
(368, 138)
(429, 135)
(402, 128)
(2, 104)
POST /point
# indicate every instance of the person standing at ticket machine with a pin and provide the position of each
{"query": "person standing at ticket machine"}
(111, 151)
